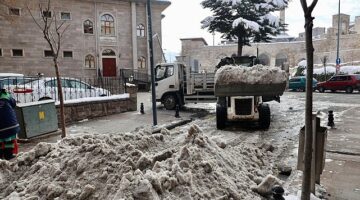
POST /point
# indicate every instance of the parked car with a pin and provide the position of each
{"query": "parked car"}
(347, 83)
(299, 83)
(37, 89)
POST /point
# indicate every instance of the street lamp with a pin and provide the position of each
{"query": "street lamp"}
(338, 44)
(129, 80)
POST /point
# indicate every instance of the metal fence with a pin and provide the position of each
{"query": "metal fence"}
(30, 89)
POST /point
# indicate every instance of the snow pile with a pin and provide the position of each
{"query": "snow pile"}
(136, 166)
(257, 74)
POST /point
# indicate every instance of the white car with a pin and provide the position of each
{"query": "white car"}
(46, 88)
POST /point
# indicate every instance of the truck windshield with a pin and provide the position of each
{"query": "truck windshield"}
(163, 72)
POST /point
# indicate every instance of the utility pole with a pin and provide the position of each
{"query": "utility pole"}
(338, 43)
(151, 49)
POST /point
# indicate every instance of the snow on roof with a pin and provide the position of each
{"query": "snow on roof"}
(11, 75)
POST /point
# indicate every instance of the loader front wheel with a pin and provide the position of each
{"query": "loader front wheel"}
(221, 113)
(264, 116)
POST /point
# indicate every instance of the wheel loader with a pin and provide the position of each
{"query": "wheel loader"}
(242, 87)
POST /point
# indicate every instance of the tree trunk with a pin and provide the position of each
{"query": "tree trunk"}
(306, 186)
(240, 47)
(61, 98)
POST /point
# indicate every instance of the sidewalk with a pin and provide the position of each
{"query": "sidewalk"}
(341, 176)
(119, 123)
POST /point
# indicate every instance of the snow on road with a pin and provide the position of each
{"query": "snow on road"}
(171, 165)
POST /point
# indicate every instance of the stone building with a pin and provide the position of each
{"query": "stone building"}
(201, 57)
(104, 36)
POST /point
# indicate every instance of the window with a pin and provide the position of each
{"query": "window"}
(68, 54)
(163, 72)
(90, 61)
(14, 11)
(108, 52)
(46, 14)
(17, 53)
(107, 25)
(78, 85)
(142, 63)
(48, 53)
(0, 52)
(88, 27)
(65, 15)
(140, 30)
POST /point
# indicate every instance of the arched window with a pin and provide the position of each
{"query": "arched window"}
(107, 25)
(264, 59)
(108, 52)
(140, 30)
(280, 59)
(90, 61)
(88, 27)
(142, 62)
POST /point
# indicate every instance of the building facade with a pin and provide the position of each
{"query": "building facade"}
(195, 52)
(103, 37)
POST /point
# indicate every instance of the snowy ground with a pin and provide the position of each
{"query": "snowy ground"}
(195, 161)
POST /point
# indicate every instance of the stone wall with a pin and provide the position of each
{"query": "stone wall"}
(79, 111)
(209, 56)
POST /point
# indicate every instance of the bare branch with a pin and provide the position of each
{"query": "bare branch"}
(32, 16)
(304, 6)
(312, 6)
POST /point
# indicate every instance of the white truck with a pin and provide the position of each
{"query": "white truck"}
(175, 84)
(236, 101)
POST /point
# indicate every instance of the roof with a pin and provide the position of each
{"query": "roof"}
(195, 39)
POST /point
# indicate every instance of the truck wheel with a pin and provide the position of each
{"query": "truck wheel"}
(349, 90)
(169, 102)
(221, 113)
(264, 116)
(321, 89)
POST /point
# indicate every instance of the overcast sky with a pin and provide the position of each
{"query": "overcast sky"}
(182, 19)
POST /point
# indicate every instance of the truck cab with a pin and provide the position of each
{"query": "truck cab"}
(169, 82)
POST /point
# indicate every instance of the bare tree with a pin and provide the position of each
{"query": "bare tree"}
(305, 193)
(53, 32)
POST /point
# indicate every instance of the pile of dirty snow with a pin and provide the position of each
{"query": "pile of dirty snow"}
(136, 165)
(257, 74)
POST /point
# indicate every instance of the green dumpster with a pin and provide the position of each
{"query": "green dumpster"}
(36, 118)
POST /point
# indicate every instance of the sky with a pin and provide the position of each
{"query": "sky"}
(183, 17)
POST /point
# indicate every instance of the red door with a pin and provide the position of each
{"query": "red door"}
(109, 67)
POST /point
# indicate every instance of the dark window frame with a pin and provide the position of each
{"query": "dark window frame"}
(13, 52)
(66, 54)
(88, 27)
(65, 12)
(107, 22)
(140, 30)
(48, 54)
(142, 64)
(46, 13)
(14, 11)
(108, 52)
(89, 61)
(1, 52)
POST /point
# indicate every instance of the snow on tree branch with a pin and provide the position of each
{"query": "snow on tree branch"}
(207, 21)
(246, 23)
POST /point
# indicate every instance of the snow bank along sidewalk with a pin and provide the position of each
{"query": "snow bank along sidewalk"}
(140, 165)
